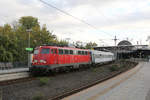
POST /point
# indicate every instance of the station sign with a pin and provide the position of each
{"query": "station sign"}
(29, 49)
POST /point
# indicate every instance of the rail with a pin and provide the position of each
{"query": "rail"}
(61, 96)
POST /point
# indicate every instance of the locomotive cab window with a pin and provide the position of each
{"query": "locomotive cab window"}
(45, 51)
(36, 51)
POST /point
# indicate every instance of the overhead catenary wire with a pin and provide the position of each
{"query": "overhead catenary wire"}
(66, 13)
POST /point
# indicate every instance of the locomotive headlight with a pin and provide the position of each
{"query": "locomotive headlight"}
(35, 61)
(42, 61)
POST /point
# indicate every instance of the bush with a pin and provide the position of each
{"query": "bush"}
(43, 81)
(114, 68)
(39, 96)
(94, 70)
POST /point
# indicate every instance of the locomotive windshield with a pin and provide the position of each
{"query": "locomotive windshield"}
(36, 51)
(45, 51)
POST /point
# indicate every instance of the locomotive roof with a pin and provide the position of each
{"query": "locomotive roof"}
(63, 48)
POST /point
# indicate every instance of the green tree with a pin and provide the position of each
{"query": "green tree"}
(78, 44)
(14, 39)
(5, 40)
(90, 45)
(28, 22)
(63, 43)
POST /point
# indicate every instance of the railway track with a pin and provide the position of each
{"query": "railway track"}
(24, 76)
(63, 95)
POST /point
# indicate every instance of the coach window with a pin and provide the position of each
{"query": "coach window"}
(71, 51)
(45, 51)
(60, 51)
(66, 52)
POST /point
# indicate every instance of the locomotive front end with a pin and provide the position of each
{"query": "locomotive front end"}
(41, 60)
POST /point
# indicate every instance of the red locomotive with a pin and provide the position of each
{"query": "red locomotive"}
(51, 57)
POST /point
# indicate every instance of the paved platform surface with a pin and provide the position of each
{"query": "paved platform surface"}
(131, 85)
(11, 76)
(14, 70)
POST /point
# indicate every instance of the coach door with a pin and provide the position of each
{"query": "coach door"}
(54, 56)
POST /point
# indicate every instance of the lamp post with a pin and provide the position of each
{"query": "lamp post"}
(29, 30)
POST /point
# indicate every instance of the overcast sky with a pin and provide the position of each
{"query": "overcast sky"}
(123, 18)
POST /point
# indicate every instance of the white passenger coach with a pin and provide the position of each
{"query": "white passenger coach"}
(101, 56)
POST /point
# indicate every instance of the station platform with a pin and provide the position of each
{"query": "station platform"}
(131, 85)
(14, 70)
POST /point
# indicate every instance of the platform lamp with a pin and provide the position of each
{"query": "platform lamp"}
(29, 32)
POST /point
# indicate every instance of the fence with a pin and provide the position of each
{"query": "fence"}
(11, 65)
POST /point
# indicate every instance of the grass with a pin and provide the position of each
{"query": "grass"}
(114, 68)
(43, 80)
(39, 96)
(98, 69)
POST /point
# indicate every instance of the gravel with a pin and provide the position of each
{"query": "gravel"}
(58, 84)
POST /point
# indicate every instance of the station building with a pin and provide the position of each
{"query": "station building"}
(125, 49)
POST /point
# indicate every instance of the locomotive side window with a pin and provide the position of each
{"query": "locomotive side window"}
(66, 51)
(82, 52)
(60, 51)
(79, 52)
(45, 51)
(71, 51)
(86, 53)
(53, 51)
(75, 52)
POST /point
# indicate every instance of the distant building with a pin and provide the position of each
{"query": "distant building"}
(126, 48)
(124, 43)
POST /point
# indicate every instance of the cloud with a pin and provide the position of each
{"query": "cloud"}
(115, 17)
